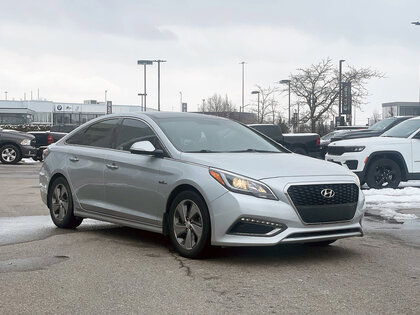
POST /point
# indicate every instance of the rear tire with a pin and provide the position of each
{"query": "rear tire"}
(383, 173)
(189, 224)
(10, 154)
(60, 202)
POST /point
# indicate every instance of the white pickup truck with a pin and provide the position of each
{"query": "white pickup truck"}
(382, 161)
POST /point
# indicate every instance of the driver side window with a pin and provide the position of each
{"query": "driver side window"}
(133, 130)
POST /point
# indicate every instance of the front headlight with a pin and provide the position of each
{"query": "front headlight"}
(242, 185)
(355, 149)
(26, 142)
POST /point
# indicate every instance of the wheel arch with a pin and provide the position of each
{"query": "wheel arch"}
(397, 157)
(2, 144)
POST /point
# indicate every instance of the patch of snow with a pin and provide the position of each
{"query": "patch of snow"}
(390, 201)
(29, 161)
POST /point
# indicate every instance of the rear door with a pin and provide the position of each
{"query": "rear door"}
(86, 153)
(131, 180)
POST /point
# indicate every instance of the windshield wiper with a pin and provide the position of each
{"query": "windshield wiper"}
(202, 151)
(255, 150)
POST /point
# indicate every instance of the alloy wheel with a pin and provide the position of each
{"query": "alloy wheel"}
(60, 202)
(384, 175)
(188, 224)
(9, 155)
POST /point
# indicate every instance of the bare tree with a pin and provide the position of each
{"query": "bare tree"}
(216, 103)
(268, 105)
(316, 89)
(375, 117)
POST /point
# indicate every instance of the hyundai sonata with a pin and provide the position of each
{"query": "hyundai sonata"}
(200, 179)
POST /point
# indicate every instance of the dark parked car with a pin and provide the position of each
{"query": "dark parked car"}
(301, 143)
(15, 145)
(43, 140)
(373, 131)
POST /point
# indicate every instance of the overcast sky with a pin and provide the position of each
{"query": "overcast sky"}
(74, 50)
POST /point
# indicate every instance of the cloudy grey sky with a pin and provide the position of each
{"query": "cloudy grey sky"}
(74, 50)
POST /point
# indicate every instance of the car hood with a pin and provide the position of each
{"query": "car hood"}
(16, 134)
(369, 141)
(362, 134)
(267, 165)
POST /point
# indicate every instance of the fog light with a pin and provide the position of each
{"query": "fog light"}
(255, 227)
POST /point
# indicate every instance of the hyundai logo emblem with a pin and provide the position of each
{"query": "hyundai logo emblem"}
(327, 193)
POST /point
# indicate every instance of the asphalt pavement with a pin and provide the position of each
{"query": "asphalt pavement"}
(104, 268)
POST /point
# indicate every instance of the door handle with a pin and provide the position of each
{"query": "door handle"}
(74, 159)
(112, 166)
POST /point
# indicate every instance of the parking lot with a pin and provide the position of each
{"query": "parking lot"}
(104, 268)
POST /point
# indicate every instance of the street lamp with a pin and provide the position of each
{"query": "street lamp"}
(5, 95)
(180, 98)
(243, 80)
(158, 62)
(258, 104)
(339, 88)
(145, 63)
(288, 83)
(141, 97)
(203, 104)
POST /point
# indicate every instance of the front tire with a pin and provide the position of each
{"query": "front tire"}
(383, 173)
(10, 154)
(189, 224)
(60, 201)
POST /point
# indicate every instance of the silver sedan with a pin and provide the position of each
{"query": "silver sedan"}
(199, 179)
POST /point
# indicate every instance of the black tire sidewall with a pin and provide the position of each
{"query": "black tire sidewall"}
(370, 178)
(69, 221)
(18, 154)
(204, 242)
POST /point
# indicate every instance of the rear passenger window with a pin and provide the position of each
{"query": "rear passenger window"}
(96, 135)
(133, 130)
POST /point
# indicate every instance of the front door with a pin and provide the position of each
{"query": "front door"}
(131, 180)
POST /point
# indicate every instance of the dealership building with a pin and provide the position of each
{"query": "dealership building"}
(400, 109)
(56, 113)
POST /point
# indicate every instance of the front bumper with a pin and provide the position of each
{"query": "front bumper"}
(231, 207)
(354, 161)
(28, 151)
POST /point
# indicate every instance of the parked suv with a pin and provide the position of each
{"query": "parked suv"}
(382, 161)
(15, 145)
(199, 179)
(373, 131)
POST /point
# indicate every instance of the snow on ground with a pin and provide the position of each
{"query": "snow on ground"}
(396, 204)
(29, 161)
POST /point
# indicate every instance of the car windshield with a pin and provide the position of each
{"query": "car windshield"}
(212, 135)
(383, 124)
(404, 129)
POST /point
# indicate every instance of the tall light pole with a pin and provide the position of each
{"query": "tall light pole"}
(158, 62)
(340, 66)
(258, 104)
(142, 95)
(180, 99)
(288, 83)
(203, 104)
(417, 24)
(145, 63)
(5, 95)
(106, 91)
(243, 84)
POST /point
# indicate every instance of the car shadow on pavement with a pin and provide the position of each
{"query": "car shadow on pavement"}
(287, 253)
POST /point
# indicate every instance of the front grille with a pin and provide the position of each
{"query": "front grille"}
(313, 207)
(33, 142)
(335, 150)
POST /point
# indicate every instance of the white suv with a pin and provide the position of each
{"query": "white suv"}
(382, 161)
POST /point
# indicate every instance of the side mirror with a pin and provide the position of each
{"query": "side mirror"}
(145, 147)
